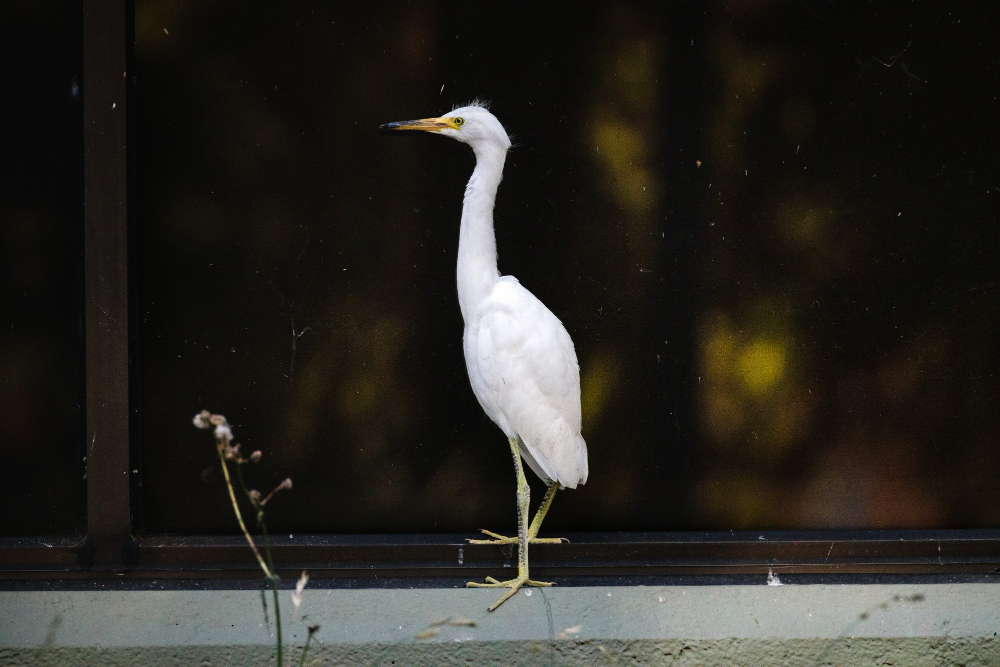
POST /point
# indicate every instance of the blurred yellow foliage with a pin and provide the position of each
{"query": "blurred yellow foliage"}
(761, 365)
(749, 400)
(620, 147)
(598, 377)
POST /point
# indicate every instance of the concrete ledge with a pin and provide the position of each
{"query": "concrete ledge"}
(910, 652)
(934, 624)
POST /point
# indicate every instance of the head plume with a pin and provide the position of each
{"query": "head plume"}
(476, 102)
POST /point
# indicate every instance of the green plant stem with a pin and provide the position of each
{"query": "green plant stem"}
(239, 519)
(277, 617)
(305, 649)
(274, 580)
(269, 573)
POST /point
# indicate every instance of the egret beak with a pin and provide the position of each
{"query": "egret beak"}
(425, 124)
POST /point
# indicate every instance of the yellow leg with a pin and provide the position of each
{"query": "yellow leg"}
(536, 523)
(523, 498)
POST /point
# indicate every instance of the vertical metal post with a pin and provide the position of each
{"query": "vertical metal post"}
(105, 48)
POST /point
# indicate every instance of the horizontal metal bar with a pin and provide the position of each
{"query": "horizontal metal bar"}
(693, 576)
(107, 581)
(592, 554)
(40, 553)
(587, 554)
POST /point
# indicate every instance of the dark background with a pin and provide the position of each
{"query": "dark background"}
(769, 228)
(41, 263)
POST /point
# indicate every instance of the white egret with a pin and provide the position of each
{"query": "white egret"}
(521, 362)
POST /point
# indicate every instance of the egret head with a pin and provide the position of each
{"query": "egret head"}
(473, 125)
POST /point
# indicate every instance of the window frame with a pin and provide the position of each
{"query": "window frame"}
(109, 548)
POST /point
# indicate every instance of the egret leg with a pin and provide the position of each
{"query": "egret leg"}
(536, 523)
(523, 498)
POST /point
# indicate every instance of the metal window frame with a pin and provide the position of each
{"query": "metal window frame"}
(111, 550)
(106, 51)
(442, 559)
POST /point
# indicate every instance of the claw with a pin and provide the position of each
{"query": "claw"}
(512, 584)
(502, 539)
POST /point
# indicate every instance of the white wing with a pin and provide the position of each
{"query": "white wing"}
(524, 371)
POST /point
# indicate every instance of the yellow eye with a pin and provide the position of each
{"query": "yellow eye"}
(459, 121)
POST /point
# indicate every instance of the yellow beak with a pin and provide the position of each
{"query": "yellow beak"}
(425, 124)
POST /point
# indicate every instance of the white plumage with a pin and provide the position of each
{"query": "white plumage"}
(521, 361)
(523, 369)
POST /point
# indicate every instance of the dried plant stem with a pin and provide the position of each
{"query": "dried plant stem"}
(227, 451)
(268, 573)
(239, 519)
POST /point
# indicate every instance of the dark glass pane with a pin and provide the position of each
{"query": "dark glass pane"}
(41, 241)
(769, 229)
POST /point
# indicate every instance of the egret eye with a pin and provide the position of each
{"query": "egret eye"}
(459, 122)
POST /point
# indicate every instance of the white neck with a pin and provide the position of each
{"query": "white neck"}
(477, 245)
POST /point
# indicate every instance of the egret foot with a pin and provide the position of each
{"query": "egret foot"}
(512, 584)
(536, 523)
(501, 539)
(525, 534)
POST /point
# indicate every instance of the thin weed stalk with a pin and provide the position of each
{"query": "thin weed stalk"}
(229, 452)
